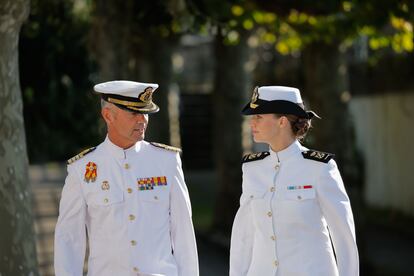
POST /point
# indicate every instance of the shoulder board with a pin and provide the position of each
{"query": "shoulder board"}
(80, 155)
(318, 155)
(255, 156)
(163, 146)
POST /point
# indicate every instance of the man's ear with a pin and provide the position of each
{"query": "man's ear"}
(107, 115)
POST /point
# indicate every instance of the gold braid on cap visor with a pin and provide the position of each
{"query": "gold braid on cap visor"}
(140, 109)
(127, 103)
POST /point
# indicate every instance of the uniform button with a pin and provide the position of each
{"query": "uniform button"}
(276, 263)
(133, 242)
(106, 200)
(129, 190)
(299, 197)
(273, 238)
(131, 217)
(135, 269)
(269, 214)
(156, 197)
(272, 189)
(277, 166)
(251, 196)
(126, 166)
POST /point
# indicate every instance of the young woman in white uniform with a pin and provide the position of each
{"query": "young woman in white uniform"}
(295, 218)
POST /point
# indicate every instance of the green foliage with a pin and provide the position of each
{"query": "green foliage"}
(61, 114)
(291, 25)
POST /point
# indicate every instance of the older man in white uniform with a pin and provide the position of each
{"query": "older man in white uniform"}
(128, 196)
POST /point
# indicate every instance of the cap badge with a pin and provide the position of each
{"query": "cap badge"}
(255, 96)
(91, 172)
(146, 96)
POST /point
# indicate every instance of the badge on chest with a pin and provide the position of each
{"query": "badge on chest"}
(148, 183)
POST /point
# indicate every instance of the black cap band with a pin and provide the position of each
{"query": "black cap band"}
(275, 107)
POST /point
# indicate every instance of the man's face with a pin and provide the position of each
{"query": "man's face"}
(124, 126)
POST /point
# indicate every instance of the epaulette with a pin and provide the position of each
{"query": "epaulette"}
(80, 155)
(318, 155)
(255, 156)
(163, 146)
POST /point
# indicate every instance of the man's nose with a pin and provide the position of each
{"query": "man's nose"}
(140, 117)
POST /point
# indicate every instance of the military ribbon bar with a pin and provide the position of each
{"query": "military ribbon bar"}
(299, 187)
(148, 183)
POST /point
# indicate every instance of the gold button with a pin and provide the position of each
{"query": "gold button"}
(276, 263)
(156, 197)
(133, 242)
(272, 189)
(273, 238)
(126, 166)
(135, 269)
(129, 190)
(131, 217)
(299, 197)
(106, 200)
(269, 214)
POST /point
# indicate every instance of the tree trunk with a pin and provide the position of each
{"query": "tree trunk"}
(326, 88)
(17, 239)
(232, 87)
(124, 50)
(160, 68)
(110, 39)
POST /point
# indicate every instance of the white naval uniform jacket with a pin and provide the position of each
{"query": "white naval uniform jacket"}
(291, 211)
(130, 230)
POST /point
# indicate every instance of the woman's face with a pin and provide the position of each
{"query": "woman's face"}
(265, 127)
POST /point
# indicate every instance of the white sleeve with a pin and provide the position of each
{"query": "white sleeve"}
(70, 232)
(337, 211)
(182, 231)
(241, 244)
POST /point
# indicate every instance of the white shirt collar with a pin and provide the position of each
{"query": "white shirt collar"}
(292, 150)
(119, 152)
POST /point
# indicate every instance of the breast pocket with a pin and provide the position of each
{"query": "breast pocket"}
(258, 206)
(300, 195)
(300, 206)
(105, 198)
(161, 196)
(155, 208)
(249, 195)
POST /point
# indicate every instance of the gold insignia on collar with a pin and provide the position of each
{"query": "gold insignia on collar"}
(80, 155)
(255, 96)
(146, 96)
(318, 155)
(255, 156)
(163, 146)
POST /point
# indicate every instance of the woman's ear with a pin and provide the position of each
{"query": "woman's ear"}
(283, 122)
